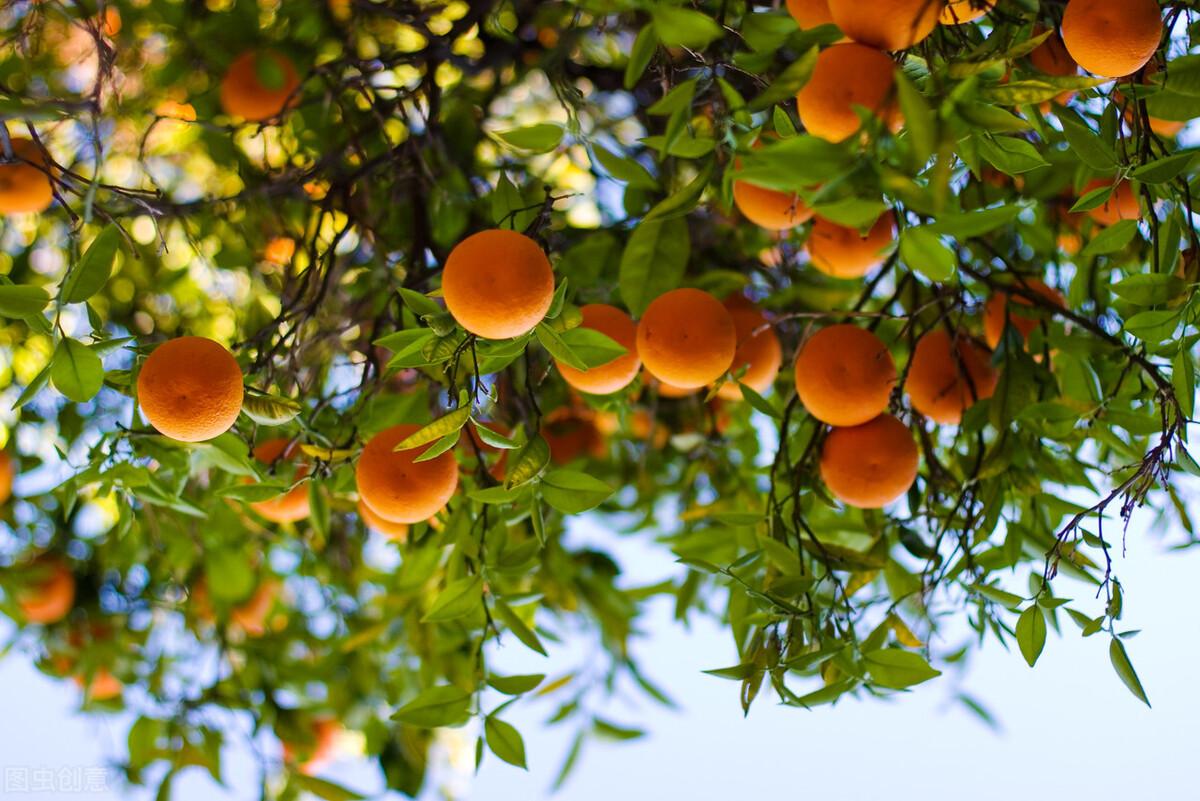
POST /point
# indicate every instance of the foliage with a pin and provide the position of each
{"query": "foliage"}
(612, 132)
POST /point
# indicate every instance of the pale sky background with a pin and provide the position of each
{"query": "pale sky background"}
(1070, 729)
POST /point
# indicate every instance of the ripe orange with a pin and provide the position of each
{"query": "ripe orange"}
(243, 92)
(844, 375)
(761, 354)
(770, 208)
(886, 24)
(666, 390)
(617, 374)
(253, 615)
(945, 378)
(23, 187)
(393, 531)
(7, 471)
(49, 594)
(572, 433)
(190, 389)
(870, 465)
(498, 284)
(1122, 204)
(293, 504)
(399, 489)
(280, 250)
(810, 13)
(958, 12)
(1112, 38)
(103, 685)
(686, 338)
(845, 76)
(997, 307)
(844, 252)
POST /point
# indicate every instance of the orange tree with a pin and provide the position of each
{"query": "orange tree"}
(894, 325)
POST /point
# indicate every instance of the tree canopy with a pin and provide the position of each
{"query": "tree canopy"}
(323, 321)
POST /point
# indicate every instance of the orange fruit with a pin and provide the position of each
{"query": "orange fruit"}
(252, 616)
(393, 531)
(1112, 38)
(870, 465)
(845, 76)
(945, 378)
(498, 284)
(770, 208)
(760, 353)
(843, 252)
(958, 12)
(686, 338)
(49, 594)
(7, 472)
(280, 250)
(571, 434)
(23, 187)
(319, 751)
(997, 308)
(666, 390)
(102, 686)
(293, 504)
(886, 24)
(399, 489)
(245, 94)
(611, 376)
(810, 13)
(190, 389)
(844, 375)
(1122, 204)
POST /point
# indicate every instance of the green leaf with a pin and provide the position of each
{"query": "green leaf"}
(94, 267)
(494, 438)
(1085, 144)
(639, 56)
(538, 138)
(572, 492)
(1165, 169)
(515, 685)
(448, 423)
(1154, 325)
(1010, 155)
(504, 741)
(919, 120)
(460, 598)
(1183, 378)
(1120, 662)
(788, 83)
(1031, 634)
(77, 371)
(1111, 239)
(417, 303)
(924, 251)
(898, 669)
(1149, 289)
(517, 626)
(683, 27)
(967, 224)
(445, 705)
(679, 98)
(553, 342)
(438, 448)
(326, 790)
(528, 463)
(252, 493)
(269, 410)
(592, 347)
(18, 301)
(653, 262)
(625, 168)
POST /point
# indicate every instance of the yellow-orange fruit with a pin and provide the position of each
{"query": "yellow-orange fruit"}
(846, 75)
(957, 12)
(946, 378)
(686, 338)
(1122, 204)
(870, 465)
(7, 472)
(23, 187)
(396, 487)
(617, 374)
(498, 284)
(190, 389)
(244, 94)
(319, 751)
(769, 208)
(886, 24)
(810, 13)
(280, 250)
(393, 531)
(1112, 38)
(572, 433)
(49, 594)
(844, 375)
(293, 504)
(102, 686)
(843, 252)
(760, 353)
(998, 309)
(253, 615)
